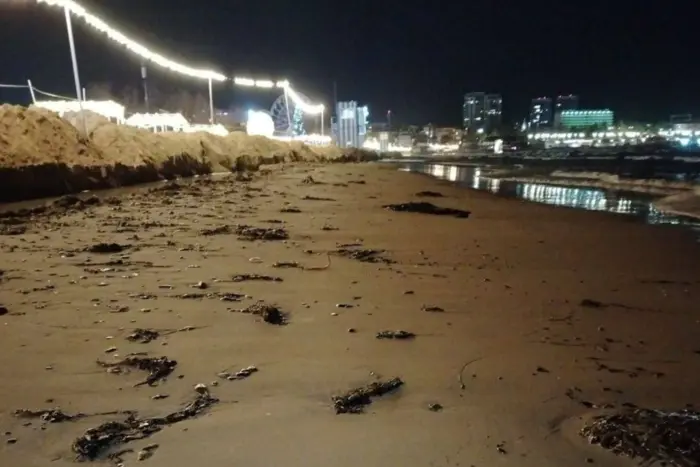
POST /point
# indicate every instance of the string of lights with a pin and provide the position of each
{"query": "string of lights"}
(142, 51)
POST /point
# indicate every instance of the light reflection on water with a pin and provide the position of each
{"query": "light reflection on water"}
(592, 199)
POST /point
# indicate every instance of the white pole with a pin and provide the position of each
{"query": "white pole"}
(84, 95)
(322, 130)
(211, 103)
(290, 129)
(31, 91)
(76, 75)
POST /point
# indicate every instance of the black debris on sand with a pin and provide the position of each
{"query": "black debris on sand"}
(355, 400)
(395, 335)
(106, 248)
(221, 230)
(49, 415)
(247, 232)
(364, 255)
(309, 180)
(98, 441)
(143, 336)
(12, 229)
(588, 303)
(269, 313)
(427, 208)
(158, 368)
(429, 194)
(255, 277)
(230, 296)
(223, 296)
(240, 374)
(317, 198)
(652, 436)
(286, 265)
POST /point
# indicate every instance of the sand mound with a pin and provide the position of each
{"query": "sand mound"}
(92, 120)
(35, 136)
(42, 154)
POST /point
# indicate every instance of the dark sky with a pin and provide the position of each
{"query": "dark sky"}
(640, 59)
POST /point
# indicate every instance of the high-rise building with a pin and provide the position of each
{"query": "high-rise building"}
(481, 111)
(494, 111)
(473, 110)
(541, 113)
(568, 102)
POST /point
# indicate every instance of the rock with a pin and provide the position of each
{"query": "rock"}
(435, 407)
(11, 440)
(201, 388)
(3, 310)
(201, 285)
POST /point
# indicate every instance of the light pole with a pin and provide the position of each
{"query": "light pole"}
(290, 130)
(76, 75)
(211, 103)
(322, 122)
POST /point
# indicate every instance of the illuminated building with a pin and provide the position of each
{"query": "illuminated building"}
(585, 118)
(494, 111)
(351, 127)
(541, 113)
(481, 111)
(473, 110)
(569, 102)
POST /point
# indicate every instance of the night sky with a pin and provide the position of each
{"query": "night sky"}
(640, 59)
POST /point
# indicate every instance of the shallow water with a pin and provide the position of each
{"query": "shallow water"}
(592, 199)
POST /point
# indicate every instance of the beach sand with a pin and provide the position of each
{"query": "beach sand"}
(510, 280)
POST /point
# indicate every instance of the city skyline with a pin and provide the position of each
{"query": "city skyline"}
(375, 64)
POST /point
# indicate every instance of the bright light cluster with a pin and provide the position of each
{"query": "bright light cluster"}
(108, 109)
(313, 139)
(304, 106)
(260, 124)
(147, 54)
(299, 102)
(259, 83)
(217, 129)
(160, 122)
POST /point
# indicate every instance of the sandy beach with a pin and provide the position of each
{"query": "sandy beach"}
(505, 374)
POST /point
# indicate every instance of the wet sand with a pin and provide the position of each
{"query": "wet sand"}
(510, 279)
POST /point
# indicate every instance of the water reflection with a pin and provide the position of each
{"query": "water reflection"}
(592, 199)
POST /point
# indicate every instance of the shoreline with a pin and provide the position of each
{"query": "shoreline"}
(509, 279)
(672, 197)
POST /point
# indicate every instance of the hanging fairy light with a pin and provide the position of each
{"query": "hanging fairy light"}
(131, 45)
(144, 52)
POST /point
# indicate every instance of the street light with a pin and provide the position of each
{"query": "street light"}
(76, 75)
